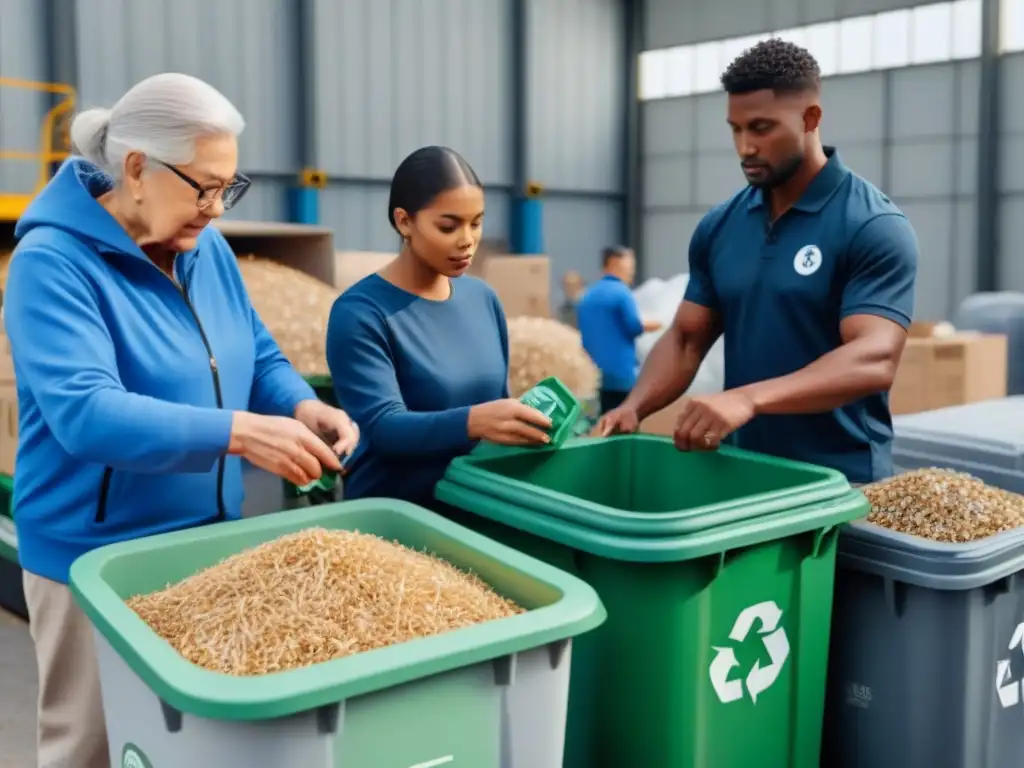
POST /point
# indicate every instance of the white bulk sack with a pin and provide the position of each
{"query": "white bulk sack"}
(659, 299)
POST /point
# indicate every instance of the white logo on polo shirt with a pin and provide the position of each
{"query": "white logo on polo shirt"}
(807, 260)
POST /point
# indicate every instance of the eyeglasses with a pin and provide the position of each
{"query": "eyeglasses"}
(228, 195)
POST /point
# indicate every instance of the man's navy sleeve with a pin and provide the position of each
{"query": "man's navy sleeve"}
(700, 289)
(881, 270)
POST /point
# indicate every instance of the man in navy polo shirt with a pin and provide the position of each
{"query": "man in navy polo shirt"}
(609, 323)
(809, 272)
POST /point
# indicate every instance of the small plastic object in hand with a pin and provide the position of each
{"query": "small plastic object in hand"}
(324, 484)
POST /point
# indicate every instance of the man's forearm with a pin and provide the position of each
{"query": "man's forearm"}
(667, 373)
(846, 374)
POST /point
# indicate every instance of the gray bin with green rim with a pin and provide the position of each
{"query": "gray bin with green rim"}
(926, 665)
(493, 695)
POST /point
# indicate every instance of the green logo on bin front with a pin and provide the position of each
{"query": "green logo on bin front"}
(132, 757)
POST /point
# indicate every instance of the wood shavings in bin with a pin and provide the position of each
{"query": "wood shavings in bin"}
(311, 597)
(295, 309)
(943, 505)
(539, 348)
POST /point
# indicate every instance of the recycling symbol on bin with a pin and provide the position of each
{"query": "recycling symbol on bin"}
(1009, 692)
(759, 679)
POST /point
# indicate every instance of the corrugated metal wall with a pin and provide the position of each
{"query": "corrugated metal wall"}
(22, 56)
(395, 75)
(912, 131)
(577, 108)
(389, 76)
(245, 48)
(677, 22)
(1011, 137)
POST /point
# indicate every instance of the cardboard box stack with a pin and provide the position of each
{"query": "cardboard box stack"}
(523, 283)
(952, 368)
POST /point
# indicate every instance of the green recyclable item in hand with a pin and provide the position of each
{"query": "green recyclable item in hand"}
(552, 398)
(325, 482)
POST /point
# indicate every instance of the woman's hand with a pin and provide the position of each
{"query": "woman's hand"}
(284, 446)
(508, 422)
(333, 424)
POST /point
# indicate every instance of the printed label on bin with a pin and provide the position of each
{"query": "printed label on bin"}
(1008, 690)
(759, 679)
(133, 757)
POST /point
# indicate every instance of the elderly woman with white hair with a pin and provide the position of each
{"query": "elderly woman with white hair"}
(144, 374)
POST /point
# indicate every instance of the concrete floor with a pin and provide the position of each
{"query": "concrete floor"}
(17, 694)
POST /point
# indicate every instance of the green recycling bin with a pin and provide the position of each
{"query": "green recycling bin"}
(716, 569)
(493, 695)
(12, 595)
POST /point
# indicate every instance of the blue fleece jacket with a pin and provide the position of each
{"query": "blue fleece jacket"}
(126, 380)
(408, 369)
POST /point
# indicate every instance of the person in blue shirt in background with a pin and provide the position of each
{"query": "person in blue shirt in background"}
(419, 351)
(809, 271)
(609, 323)
(144, 374)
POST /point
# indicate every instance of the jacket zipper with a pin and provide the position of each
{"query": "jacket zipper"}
(101, 508)
(215, 374)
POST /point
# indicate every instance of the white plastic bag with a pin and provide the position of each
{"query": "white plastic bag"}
(659, 299)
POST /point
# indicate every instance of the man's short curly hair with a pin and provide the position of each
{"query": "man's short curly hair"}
(775, 65)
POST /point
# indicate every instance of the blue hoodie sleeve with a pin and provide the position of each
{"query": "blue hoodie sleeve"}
(360, 358)
(277, 388)
(64, 355)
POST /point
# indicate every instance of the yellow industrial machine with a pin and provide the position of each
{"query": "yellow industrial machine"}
(54, 144)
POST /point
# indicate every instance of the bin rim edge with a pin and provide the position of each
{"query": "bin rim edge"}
(196, 691)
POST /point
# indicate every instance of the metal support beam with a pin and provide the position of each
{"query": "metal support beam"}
(304, 196)
(60, 20)
(305, 91)
(989, 121)
(527, 213)
(632, 168)
(520, 98)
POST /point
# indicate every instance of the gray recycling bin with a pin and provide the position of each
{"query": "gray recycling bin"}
(926, 666)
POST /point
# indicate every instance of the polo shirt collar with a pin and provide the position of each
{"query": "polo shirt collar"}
(821, 188)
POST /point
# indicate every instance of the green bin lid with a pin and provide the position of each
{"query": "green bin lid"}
(641, 485)
(822, 518)
(559, 606)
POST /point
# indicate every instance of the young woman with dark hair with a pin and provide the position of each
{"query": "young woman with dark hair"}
(419, 351)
